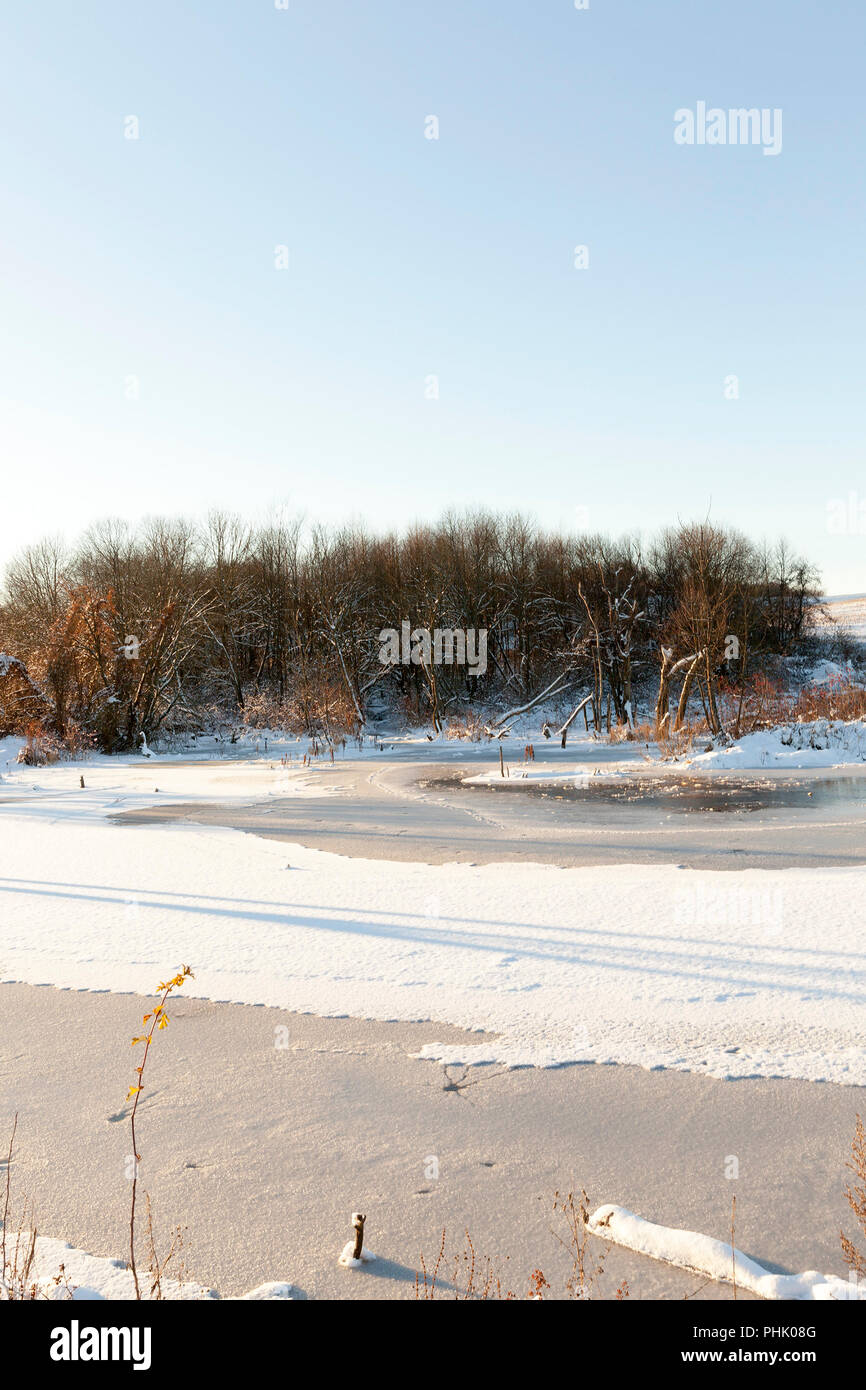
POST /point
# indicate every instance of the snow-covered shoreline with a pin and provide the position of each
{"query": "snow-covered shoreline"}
(818, 743)
(62, 1273)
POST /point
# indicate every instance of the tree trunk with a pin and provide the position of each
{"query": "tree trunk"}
(686, 691)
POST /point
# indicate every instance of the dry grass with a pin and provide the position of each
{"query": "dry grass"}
(469, 726)
(42, 746)
(765, 704)
(477, 1279)
(16, 1255)
(855, 1258)
(322, 708)
(644, 732)
(18, 1281)
(156, 1266)
(680, 743)
(574, 1218)
(839, 698)
(471, 1278)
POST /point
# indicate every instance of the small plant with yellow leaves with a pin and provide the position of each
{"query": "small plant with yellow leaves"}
(158, 1019)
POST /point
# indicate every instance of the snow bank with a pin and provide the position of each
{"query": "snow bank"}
(826, 672)
(716, 1260)
(821, 743)
(62, 1272)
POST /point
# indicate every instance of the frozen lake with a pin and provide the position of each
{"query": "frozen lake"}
(394, 809)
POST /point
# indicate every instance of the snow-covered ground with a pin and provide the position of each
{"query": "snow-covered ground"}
(820, 743)
(847, 611)
(742, 974)
(60, 1272)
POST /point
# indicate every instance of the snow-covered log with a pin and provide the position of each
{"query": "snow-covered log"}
(716, 1260)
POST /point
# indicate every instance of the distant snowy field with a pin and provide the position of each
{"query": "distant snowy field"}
(735, 974)
(847, 611)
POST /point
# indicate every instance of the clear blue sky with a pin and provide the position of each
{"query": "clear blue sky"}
(560, 389)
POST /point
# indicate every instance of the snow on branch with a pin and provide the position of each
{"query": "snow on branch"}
(557, 687)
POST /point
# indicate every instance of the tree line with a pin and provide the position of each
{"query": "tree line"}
(139, 632)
